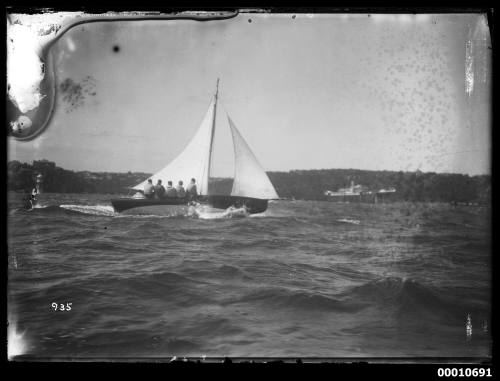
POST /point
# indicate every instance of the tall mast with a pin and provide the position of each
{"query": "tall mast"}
(212, 132)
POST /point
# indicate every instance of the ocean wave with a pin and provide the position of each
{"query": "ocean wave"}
(154, 285)
(228, 271)
(231, 273)
(257, 243)
(408, 298)
(160, 284)
(299, 300)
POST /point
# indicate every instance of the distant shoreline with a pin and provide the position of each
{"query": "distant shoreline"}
(294, 184)
(20, 193)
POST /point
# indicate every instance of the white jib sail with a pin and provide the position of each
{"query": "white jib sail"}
(193, 161)
(250, 179)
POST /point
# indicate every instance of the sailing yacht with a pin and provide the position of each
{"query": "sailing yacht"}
(251, 186)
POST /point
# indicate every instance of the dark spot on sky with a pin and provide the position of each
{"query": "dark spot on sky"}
(293, 16)
(74, 93)
(249, 20)
(369, 15)
(116, 48)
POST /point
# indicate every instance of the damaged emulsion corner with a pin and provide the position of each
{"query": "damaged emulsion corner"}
(30, 75)
(31, 78)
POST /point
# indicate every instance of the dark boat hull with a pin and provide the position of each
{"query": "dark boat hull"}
(253, 205)
(122, 204)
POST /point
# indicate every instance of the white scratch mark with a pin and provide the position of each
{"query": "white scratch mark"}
(468, 327)
(469, 67)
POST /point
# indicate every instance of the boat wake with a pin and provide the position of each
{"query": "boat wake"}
(349, 221)
(205, 212)
(40, 206)
(198, 211)
(96, 210)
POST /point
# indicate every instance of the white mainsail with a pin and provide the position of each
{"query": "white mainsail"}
(194, 160)
(250, 179)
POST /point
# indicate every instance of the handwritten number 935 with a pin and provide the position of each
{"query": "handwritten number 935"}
(61, 307)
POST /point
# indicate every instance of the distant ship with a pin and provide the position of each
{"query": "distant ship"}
(359, 193)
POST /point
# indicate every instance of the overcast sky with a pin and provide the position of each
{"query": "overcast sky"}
(379, 92)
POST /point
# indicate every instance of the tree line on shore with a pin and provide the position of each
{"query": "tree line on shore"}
(296, 184)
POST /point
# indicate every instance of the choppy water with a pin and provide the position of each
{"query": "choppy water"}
(302, 279)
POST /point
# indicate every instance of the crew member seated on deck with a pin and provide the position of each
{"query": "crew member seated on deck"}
(159, 190)
(181, 193)
(191, 190)
(170, 191)
(149, 189)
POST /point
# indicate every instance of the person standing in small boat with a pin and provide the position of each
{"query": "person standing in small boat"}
(33, 196)
(170, 191)
(181, 192)
(149, 189)
(191, 190)
(28, 199)
(159, 190)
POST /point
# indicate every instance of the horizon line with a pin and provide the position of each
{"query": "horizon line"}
(274, 171)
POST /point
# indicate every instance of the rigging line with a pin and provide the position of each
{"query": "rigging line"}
(224, 107)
